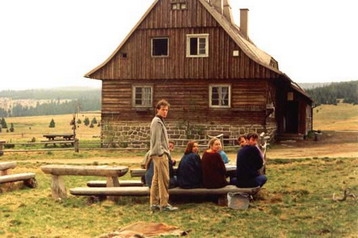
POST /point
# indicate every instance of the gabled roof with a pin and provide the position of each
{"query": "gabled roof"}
(232, 30)
(246, 45)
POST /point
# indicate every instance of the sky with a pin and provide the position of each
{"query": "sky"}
(54, 43)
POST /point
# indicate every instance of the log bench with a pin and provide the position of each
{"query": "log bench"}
(58, 141)
(145, 191)
(27, 178)
(122, 183)
(58, 188)
(5, 166)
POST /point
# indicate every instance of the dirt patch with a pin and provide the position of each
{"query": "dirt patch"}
(328, 144)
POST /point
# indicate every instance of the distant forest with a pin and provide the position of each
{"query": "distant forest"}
(73, 100)
(60, 101)
(333, 93)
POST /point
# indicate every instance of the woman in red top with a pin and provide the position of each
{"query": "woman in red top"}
(213, 167)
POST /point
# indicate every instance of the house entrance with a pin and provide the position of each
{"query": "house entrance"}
(292, 117)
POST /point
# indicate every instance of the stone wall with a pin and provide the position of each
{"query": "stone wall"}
(136, 135)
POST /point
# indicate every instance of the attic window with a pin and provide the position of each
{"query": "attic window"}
(160, 46)
(178, 4)
(220, 95)
(197, 45)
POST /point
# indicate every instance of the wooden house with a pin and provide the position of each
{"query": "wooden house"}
(217, 81)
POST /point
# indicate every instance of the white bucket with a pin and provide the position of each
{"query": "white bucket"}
(238, 200)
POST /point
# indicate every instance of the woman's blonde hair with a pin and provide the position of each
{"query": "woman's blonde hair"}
(212, 141)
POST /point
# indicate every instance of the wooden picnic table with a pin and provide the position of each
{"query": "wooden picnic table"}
(59, 136)
(58, 171)
(64, 139)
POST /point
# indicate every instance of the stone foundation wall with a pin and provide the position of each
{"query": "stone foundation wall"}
(136, 135)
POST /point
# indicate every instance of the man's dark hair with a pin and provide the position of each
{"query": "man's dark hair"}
(252, 135)
(162, 102)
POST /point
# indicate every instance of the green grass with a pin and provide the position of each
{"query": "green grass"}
(296, 202)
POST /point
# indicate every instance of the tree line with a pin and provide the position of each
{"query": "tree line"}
(333, 93)
(60, 102)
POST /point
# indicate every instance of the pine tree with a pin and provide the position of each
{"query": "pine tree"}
(52, 123)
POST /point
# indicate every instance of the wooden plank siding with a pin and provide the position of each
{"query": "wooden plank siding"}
(189, 100)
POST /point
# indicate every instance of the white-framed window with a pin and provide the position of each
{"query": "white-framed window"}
(160, 46)
(220, 95)
(142, 96)
(197, 45)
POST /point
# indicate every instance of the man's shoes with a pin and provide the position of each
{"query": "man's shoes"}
(169, 208)
(155, 208)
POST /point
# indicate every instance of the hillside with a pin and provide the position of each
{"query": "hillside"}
(36, 102)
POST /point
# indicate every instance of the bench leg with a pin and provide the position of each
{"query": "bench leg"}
(4, 172)
(112, 182)
(222, 200)
(58, 188)
(31, 183)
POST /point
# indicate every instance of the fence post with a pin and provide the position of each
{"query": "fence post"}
(2, 142)
(77, 145)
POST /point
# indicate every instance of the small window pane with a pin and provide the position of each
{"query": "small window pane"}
(193, 46)
(202, 46)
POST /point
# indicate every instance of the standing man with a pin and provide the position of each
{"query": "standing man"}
(159, 152)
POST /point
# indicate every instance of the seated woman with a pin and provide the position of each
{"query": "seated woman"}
(189, 173)
(214, 171)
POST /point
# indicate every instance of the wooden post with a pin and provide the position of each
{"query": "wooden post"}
(77, 145)
(2, 142)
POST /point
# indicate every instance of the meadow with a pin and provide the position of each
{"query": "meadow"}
(297, 200)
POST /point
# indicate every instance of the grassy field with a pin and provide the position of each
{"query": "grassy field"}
(343, 117)
(27, 128)
(296, 201)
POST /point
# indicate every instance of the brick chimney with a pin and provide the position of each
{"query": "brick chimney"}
(244, 22)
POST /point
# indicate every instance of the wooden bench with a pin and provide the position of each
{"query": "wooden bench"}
(58, 188)
(145, 191)
(5, 166)
(122, 183)
(27, 178)
(58, 141)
